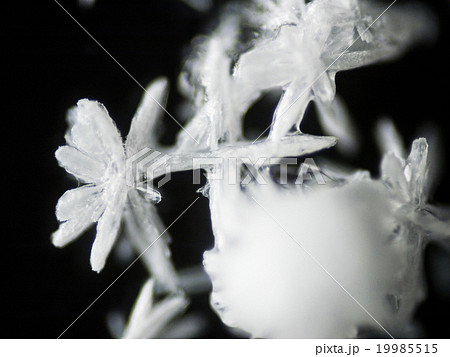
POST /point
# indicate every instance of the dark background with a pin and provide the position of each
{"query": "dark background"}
(49, 63)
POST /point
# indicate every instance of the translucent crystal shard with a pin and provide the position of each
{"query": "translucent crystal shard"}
(147, 319)
(143, 133)
(94, 155)
(306, 45)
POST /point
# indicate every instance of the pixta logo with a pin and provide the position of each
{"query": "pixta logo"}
(144, 167)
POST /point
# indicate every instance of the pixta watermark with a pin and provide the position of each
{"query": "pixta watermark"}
(149, 169)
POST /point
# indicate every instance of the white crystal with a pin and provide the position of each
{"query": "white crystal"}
(306, 48)
(309, 261)
(94, 155)
(147, 319)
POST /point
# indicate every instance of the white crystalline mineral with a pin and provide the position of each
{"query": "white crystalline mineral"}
(306, 45)
(95, 155)
(319, 259)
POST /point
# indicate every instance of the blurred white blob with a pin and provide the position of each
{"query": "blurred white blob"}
(199, 5)
(162, 319)
(388, 139)
(86, 3)
(148, 319)
(156, 320)
(290, 263)
(265, 280)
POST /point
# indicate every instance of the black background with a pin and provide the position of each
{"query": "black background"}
(49, 63)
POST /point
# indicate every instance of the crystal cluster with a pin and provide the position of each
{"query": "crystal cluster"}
(309, 260)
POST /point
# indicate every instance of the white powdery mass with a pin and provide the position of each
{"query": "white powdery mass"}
(283, 259)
